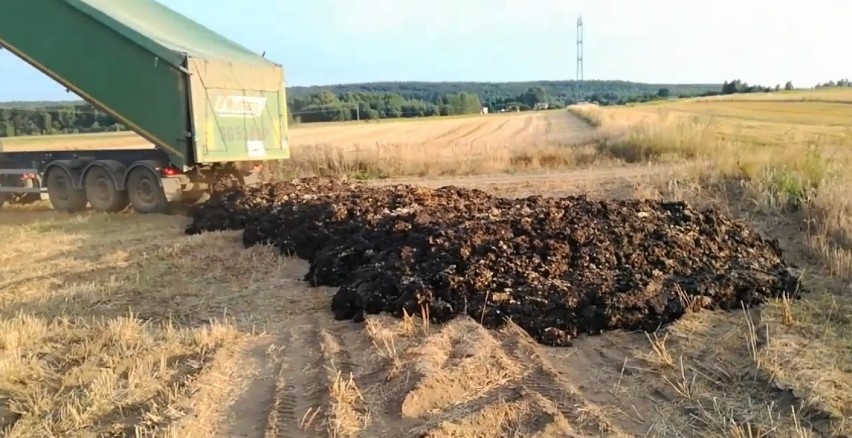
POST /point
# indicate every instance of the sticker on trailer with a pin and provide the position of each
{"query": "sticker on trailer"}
(255, 149)
(240, 106)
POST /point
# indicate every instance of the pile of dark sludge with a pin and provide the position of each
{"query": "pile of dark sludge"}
(558, 267)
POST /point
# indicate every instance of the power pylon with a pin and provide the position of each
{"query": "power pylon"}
(580, 48)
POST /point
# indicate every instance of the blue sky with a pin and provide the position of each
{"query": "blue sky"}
(662, 41)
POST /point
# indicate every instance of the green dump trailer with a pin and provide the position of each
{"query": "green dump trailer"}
(210, 107)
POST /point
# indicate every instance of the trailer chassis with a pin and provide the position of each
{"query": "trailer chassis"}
(111, 180)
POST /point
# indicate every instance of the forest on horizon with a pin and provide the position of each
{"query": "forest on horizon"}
(383, 100)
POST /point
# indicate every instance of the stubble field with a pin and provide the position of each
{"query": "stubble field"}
(125, 325)
(493, 130)
(475, 145)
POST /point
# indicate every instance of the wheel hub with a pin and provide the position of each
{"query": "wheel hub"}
(145, 192)
(145, 189)
(102, 189)
(63, 189)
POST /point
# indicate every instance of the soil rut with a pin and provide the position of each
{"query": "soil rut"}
(297, 390)
(407, 379)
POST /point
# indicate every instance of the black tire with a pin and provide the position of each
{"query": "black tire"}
(103, 196)
(63, 196)
(145, 191)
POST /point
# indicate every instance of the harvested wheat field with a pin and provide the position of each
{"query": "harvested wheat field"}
(473, 145)
(446, 133)
(717, 304)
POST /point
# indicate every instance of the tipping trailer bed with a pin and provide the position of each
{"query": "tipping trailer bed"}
(74, 142)
(208, 105)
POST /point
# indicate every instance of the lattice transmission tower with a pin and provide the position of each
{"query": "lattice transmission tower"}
(580, 48)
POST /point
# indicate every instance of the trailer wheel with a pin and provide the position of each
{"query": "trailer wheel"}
(102, 193)
(145, 192)
(63, 196)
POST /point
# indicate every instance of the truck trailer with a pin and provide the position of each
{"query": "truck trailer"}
(207, 107)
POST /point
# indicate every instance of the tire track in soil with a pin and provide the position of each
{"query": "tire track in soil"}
(298, 387)
(522, 403)
(346, 349)
(541, 419)
(542, 379)
(602, 369)
(340, 366)
(468, 409)
(491, 132)
(469, 132)
(528, 123)
(334, 352)
(548, 127)
(447, 133)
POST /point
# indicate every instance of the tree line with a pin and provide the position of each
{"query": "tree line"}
(739, 87)
(326, 106)
(833, 84)
(55, 118)
(385, 100)
(511, 96)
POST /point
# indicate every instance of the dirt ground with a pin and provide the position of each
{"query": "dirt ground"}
(122, 325)
(254, 352)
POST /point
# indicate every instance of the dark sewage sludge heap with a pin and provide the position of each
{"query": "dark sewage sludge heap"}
(558, 267)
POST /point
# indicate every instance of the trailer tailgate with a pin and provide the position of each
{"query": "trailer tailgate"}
(239, 111)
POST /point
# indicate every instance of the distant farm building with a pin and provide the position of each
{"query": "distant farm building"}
(484, 110)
